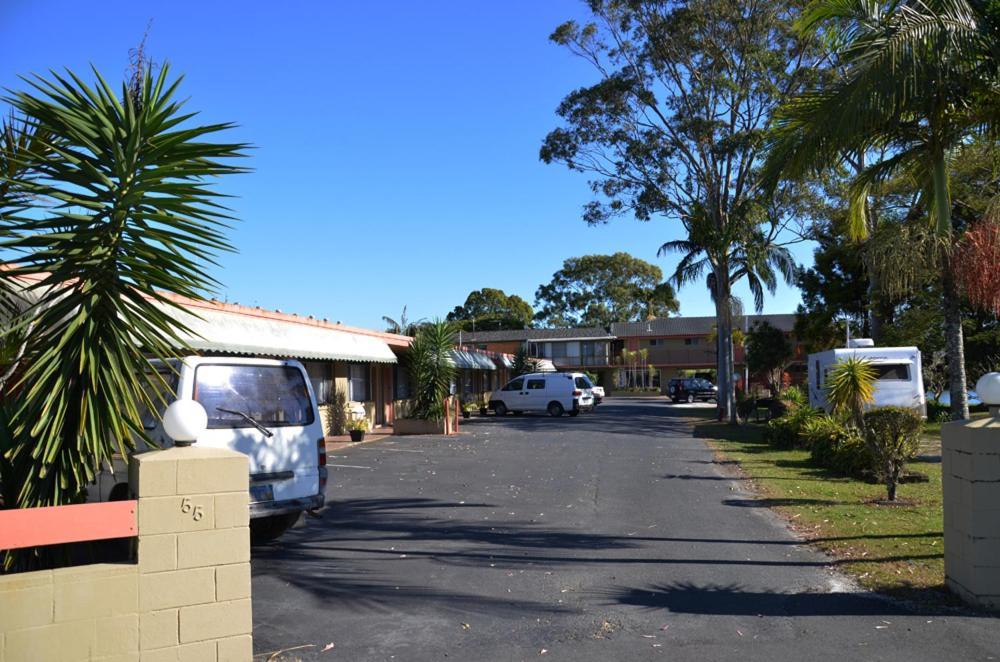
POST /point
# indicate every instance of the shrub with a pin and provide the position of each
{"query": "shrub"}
(937, 412)
(745, 407)
(834, 446)
(338, 413)
(893, 437)
(796, 395)
(785, 431)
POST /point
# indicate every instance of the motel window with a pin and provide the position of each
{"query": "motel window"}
(401, 381)
(321, 379)
(358, 382)
(692, 341)
(655, 342)
(818, 376)
(558, 350)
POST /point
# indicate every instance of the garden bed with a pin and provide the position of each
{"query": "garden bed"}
(896, 549)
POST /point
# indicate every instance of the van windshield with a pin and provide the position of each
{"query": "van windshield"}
(273, 396)
(160, 396)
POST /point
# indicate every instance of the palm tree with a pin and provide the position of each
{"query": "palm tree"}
(402, 326)
(919, 79)
(752, 255)
(431, 368)
(123, 215)
(19, 139)
(643, 358)
(851, 386)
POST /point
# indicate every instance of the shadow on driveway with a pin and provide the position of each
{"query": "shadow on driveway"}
(733, 600)
(644, 417)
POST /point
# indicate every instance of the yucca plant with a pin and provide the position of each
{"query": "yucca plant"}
(850, 385)
(431, 368)
(122, 213)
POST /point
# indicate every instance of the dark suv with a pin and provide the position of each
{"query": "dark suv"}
(690, 389)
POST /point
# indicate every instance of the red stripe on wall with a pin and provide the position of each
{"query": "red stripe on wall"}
(34, 527)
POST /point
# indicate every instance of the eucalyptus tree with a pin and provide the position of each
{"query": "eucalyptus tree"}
(598, 290)
(118, 211)
(674, 126)
(921, 79)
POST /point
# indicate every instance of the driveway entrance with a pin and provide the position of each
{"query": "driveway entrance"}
(610, 536)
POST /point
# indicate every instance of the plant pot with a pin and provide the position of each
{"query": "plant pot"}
(357, 435)
(483, 411)
(466, 414)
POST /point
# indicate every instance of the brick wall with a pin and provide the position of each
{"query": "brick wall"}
(188, 595)
(970, 477)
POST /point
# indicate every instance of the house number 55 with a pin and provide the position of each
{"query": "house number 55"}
(197, 512)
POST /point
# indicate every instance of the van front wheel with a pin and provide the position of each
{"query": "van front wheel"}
(266, 529)
(500, 409)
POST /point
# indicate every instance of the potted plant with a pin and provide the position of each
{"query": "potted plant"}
(357, 427)
(484, 407)
(467, 410)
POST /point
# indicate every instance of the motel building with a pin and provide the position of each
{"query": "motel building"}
(663, 348)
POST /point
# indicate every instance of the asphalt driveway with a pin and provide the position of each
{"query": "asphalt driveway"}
(610, 536)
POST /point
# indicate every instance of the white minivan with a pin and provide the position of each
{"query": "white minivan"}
(266, 409)
(557, 393)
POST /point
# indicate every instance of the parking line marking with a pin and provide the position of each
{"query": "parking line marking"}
(348, 466)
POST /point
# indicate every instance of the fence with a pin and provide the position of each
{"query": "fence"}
(187, 594)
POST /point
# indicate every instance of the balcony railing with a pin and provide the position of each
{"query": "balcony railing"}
(695, 356)
(577, 361)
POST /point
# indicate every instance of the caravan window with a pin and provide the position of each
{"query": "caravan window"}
(892, 372)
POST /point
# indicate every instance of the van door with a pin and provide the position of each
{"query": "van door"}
(264, 410)
(536, 396)
(512, 394)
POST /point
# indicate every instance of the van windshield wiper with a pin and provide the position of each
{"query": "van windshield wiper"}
(249, 419)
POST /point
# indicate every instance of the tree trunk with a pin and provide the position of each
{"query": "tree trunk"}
(954, 346)
(724, 357)
(874, 310)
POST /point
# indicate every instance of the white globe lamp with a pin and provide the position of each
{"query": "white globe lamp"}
(988, 390)
(184, 421)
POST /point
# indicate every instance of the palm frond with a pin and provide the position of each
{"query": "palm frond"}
(132, 215)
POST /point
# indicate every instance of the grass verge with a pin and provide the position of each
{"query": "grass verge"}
(896, 549)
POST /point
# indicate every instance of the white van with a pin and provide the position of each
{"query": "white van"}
(899, 374)
(557, 393)
(266, 409)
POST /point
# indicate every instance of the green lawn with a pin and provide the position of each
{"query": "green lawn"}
(896, 549)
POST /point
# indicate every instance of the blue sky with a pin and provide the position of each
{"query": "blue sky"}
(396, 158)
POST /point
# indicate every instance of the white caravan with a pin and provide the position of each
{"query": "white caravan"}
(264, 408)
(899, 375)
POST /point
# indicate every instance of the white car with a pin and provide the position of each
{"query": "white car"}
(263, 408)
(556, 393)
(597, 392)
